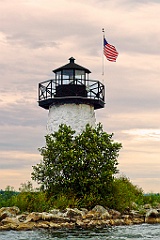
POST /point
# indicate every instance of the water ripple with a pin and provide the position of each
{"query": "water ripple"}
(135, 232)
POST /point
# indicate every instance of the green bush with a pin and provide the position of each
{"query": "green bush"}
(63, 201)
(121, 197)
(125, 195)
(31, 201)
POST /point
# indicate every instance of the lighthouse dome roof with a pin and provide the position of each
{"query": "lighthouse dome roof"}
(72, 65)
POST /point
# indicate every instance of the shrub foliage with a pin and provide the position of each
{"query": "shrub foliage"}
(79, 165)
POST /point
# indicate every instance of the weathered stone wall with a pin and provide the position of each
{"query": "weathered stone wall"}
(74, 115)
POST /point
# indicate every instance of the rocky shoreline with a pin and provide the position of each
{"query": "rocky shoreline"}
(98, 217)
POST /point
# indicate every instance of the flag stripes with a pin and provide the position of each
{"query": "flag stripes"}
(110, 51)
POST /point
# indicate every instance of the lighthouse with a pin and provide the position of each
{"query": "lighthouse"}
(71, 97)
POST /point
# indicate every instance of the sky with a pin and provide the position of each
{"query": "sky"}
(37, 36)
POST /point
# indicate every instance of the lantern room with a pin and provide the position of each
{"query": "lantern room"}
(71, 71)
(71, 85)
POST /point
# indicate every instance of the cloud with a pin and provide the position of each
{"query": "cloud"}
(147, 134)
(14, 178)
(21, 138)
(18, 160)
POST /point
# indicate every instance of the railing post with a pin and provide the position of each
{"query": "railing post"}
(51, 88)
(39, 92)
(46, 91)
(98, 90)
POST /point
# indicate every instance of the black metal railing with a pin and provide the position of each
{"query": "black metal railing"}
(94, 89)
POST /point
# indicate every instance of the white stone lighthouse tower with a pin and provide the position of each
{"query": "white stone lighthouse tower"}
(71, 97)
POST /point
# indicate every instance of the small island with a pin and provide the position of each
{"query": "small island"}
(79, 187)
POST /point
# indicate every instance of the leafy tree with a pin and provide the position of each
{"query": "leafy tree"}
(26, 187)
(7, 195)
(81, 165)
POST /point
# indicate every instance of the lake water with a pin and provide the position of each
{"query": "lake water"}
(135, 232)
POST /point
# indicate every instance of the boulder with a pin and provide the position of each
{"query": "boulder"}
(147, 206)
(102, 211)
(68, 213)
(48, 216)
(8, 212)
(54, 225)
(55, 212)
(81, 224)
(42, 224)
(152, 213)
(74, 213)
(114, 214)
(26, 226)
(22, 217)
(9, 226)
(117, 222)
(138, 220)
(96, 223)
(55, 218)
(152, 216)
(33, 217)
(97, 213)
(68, 225)
(9, 220)
(92, 215)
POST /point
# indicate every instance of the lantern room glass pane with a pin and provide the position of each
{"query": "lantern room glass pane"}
(80, 74)
(58, 75)
(68, 74)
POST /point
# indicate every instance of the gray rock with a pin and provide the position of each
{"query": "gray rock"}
(8, 212)
(152, 213)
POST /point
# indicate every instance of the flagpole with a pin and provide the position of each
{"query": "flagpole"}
(103, 36)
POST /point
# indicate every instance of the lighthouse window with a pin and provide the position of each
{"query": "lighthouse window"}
(80, 74)
(68, 74)
(58, 75)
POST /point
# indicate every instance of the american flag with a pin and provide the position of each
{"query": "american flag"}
(110, 52)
